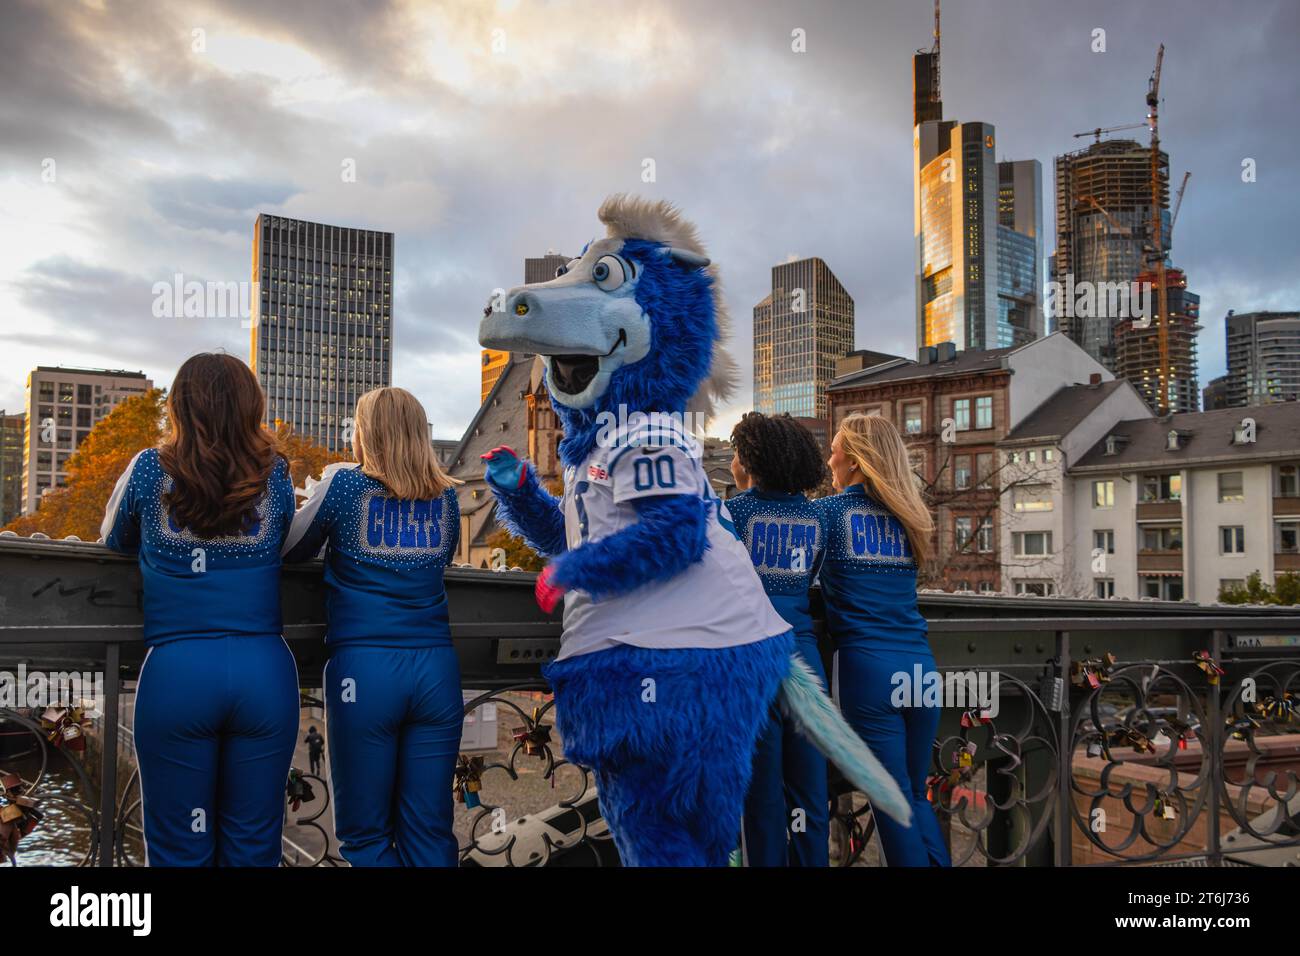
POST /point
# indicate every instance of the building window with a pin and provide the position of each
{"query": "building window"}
(1031, 544)
(1103, 494)
(961, 472)
(1031, 456)
(1165, 587)
(1288, 537)
(1162, 487)
(984, 412)
(1231, 584)
(1232, 539)
(961, 414)
(985, 587)
(912, 418)
(1032, 498)
(1104, 587)
(1104, 541)
(961, 586)
(1035, 588)
(1230, 486)
(983, 468)
(1166, 538)
(984, 536)
(962, 532)
(1013, 457)
(1048, 454)
(1288, 481)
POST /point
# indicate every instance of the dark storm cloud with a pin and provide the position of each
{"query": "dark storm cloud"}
(771, 152)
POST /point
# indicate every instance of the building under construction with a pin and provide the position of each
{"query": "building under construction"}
(1103, 229)
(1137, 349)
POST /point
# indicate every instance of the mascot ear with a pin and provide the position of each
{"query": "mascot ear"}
(692, 260)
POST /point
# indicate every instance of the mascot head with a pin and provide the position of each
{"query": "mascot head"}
(636, 321)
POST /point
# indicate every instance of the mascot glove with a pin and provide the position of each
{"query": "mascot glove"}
(505, 470)
(547, 592)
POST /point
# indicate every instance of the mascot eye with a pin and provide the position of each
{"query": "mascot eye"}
(609, 273)
(561, 271)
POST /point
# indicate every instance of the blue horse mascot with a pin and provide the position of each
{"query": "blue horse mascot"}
(672, 653)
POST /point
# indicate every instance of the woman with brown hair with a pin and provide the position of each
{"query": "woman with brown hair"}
(216, 705)
(877, 533)
(389, 526)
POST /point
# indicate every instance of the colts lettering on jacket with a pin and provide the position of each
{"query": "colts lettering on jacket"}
(877, 535)
(772, 543)
(398, 523)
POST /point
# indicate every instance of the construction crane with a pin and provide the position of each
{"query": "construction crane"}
(1107, 129)
(1157, 232)
(1178, 204)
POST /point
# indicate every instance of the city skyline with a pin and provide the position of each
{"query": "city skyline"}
(163, 155)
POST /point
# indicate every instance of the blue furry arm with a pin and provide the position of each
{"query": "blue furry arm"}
(671, 534)
(532, 513)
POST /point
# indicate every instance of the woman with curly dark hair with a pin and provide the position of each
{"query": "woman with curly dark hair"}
(777, 461)
(216, 706)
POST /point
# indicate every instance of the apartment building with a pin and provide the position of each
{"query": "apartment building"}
(1188, 504)
(953, 409)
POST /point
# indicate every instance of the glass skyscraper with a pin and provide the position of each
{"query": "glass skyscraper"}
(321, 322)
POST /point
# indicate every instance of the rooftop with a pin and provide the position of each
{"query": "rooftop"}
(1203, 437)
(1061, 413)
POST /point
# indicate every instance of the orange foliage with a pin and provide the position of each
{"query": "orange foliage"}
(134, 425)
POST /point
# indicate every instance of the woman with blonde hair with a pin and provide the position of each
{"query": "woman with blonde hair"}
(390, 525)
(877, 533)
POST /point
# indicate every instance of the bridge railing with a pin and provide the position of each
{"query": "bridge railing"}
(1092, 731)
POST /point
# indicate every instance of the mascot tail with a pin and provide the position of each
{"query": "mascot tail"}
(815, 715)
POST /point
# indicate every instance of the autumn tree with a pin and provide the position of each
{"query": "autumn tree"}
(306, 458)
(93, 470)
(103, 455)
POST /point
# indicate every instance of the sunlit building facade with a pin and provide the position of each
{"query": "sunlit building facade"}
(801, 329)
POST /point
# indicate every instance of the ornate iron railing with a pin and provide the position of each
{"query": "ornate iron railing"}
(1153, 764)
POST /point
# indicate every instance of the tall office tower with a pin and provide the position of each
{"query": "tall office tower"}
(801, 329)
(974, 219)
(12, 428)
(1103, 221)
(1215, 395)
(322, 322)
(63, 405)
(1137, 350)
(538, 269)
(1020, 252)
(1263, 357)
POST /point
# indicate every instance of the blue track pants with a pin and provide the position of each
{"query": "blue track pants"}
(787, 807)
(902, 738)
(216, 720)
(394, 716)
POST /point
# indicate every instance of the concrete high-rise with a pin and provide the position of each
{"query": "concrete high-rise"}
(12, 429)
(1103, 231)
(801, 329)
(1263, 351)
(1137, 347)
(63, 405)
(322, 322)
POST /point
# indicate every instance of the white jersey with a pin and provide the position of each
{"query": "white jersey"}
(718, 601)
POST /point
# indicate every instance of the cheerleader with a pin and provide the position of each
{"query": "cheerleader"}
(776, 461)
(877, 533)
(216, 704)
(389, 526)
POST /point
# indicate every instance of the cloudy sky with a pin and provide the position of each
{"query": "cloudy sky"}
(484, 132)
